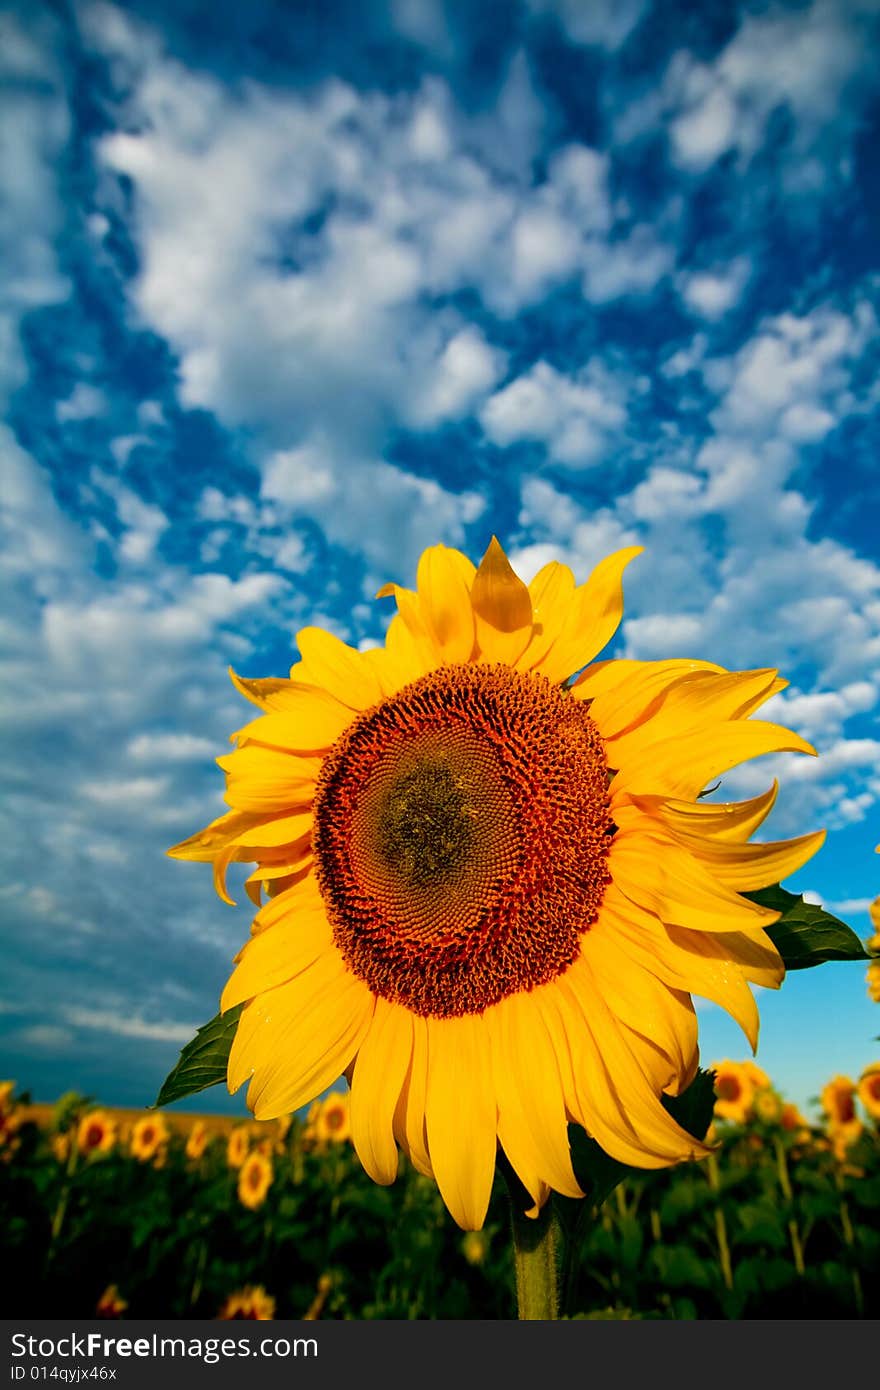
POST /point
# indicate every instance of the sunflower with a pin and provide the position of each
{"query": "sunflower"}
(757, 1076)
(767, 1106)
(96, 1133)
(10, 1119)
(197, 1141)
(60, 1146)
(110, 1304)
(843, 1135)
(872, 979)
(733, 1092)
(838, 1100)
(237, 1146)
(149, 1138)
(251, 1302)
(793, 1121)
(254, 1179)
(492, 891)
(869, 1090)
(333, 1121)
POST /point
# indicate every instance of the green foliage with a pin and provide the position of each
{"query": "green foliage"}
(203, 1061)
(806, 934)
(175, 1238)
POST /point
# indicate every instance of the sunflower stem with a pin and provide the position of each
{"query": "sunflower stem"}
(538, 1251)
(536, 1258)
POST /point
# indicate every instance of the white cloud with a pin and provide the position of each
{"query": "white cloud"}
(807, 63)
(794, 374)
(465, 371)
(125, 1026)
(85, 402)
(601, 23)
(170, 748)
(712, 293)
(571, 416)
(35, 127)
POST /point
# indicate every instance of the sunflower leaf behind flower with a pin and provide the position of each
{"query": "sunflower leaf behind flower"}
(491, 893)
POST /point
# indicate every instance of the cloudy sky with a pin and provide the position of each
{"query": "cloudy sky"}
(292, 290)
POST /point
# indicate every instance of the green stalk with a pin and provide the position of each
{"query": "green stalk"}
(797, 1245)
(539, 1251)
(720, 1224)
(536, 1258)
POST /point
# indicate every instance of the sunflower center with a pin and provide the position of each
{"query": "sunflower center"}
(728, 1088)
(425, 826)
(461, 830)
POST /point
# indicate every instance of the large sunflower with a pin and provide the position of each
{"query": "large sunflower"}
(492, 892)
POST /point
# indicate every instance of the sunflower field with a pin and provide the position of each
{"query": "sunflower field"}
(155, 1215)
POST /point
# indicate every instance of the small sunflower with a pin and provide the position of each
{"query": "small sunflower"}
(110, 1304)
(869, 1090)
(491, 889)
(757, 1076)
(254, 1179)
(767, 1106)
(237, 1146)
(872, 979)
(838, 1100)
(96, 1134)
(843, 1135)
(197, 1141)
(252, 1303)
(60, 1146)
(794, 1123)
(333, 1121)
(149, 1138)
(733, 1091)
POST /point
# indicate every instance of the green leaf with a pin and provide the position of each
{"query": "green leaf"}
(806, 934)
(693, 1109)
(598, 1173)
(202, 1062)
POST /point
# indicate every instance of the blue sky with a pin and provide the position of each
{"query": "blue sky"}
(293, 291)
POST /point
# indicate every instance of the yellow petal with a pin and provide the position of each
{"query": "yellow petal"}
(627, 696)
(445, 601)
(377, 1081)
(694, 702)
(731, 821)
(297, 1039)
(664, 878)
(756, 956)
(304, 896)
(273, 693)
(658, 1139)
(685, 960)
(638, 999)
(203, 847)
(266, 780)
(461, 1116)
(413, 618)
(745, 867)
(314, 723)
(273, 957)
(595, 617)
(597, 1107)
(331, 664)
(409, 1115)
(681, 767)
(278, 832)
(398, 663)
(502, 608)
(531, 1107)
(552, 594)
